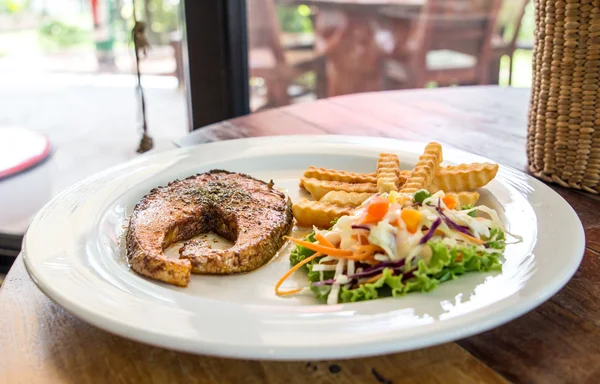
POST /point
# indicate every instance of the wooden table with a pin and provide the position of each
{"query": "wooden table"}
(356, 36)
(559, 342)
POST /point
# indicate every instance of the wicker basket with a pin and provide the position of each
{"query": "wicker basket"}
(563, 138)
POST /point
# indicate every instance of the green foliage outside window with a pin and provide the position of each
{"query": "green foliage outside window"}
(295, 19)
(54, 34)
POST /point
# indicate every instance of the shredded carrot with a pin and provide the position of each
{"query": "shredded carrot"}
(290, 273)
(471, 238)
(360, 238)
(367, 251)
(369, 248)
(287, 293)
(323, 241)
(366, 259)
(374, 278)
(321, 248)
(364, 239)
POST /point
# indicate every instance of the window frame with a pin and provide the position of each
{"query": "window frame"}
(215, 60)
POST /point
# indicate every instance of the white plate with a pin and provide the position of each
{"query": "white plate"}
(72, 252)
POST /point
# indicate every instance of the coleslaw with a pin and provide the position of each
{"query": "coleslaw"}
(394, 244)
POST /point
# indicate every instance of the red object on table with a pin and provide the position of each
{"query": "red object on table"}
(95, 17)
(21, 149)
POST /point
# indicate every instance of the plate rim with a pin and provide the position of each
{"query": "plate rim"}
(275, 353)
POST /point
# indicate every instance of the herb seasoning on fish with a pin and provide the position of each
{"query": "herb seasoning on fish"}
(235, 206)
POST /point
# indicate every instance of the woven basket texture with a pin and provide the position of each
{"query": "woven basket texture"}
(563, 138)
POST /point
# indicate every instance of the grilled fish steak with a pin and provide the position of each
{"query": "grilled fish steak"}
(246, 211)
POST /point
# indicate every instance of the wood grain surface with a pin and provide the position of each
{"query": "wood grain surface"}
(559, 342)
(44, 343)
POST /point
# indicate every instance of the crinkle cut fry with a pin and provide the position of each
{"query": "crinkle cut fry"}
(403, 176)
(319, 188)
(342, 198)
(349, 177)
(465, 198)
(453, 178)
(309, 213)
(336, 175)
(388, 172)
(463, 177)
(424, 170)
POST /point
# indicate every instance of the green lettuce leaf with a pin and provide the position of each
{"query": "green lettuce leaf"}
(387, 285)
(300, 253)
(497, 239)
(444, 265)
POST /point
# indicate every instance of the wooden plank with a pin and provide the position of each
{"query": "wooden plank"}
(548, 345)
(382, 107)
(408, 115)
(580, 295)
(47, 344)
(335, 119)
(586, 205)
(267, 123)
(208, 134)
(416, 113)
(275, 122)
(505, 108)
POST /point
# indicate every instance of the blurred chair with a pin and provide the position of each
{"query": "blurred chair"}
(279, 66)
(349, 39)
(449, 44)
(504, 41)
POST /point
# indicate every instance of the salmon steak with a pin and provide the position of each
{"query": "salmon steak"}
(249, 212)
